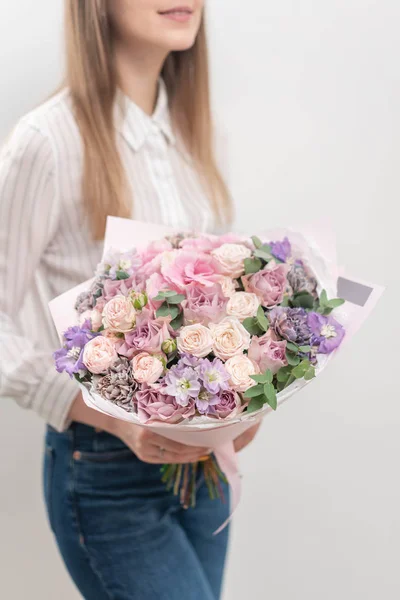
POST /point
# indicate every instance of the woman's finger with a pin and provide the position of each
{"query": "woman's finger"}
(159, 441)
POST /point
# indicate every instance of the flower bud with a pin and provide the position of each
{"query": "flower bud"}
(139, 299)
(169, 346)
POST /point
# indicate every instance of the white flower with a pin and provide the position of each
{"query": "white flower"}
(99, 354)
(119, 314)
(242, 305)
(195, 339)
(146, 367)
(230, 258)
(240, 368)
(229, 338)
(227, 285)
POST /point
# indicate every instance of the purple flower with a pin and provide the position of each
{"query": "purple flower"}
(229, 405)
(188, 360)
(213, 375)
(154, 404)
(69, 357)
(327, 333)
(182, 383)
(281, 250)
(205, 401)
(301, 279)
(290, 324)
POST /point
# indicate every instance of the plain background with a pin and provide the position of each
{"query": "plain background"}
(309, 94)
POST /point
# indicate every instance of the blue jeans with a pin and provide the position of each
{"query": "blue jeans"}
(121, 534)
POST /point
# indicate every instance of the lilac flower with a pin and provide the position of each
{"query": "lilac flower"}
(301, 279)
(281, 250)
(69, 358)
(183, 383)
(290, 324)
(213, 375)
(327, 333)
(205, 401)
(189, 360)
(115, 261)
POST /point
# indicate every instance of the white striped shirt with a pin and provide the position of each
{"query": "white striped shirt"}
(45, 247)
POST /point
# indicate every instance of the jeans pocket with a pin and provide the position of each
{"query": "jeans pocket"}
(105, 456)
(48, 475)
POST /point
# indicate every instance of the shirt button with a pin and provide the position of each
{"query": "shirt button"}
(77, 455)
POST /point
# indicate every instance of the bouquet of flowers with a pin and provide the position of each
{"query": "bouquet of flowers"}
(198, 333)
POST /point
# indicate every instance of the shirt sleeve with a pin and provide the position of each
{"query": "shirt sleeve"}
(29, 214)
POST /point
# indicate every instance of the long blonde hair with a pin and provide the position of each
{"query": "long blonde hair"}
(91, 79)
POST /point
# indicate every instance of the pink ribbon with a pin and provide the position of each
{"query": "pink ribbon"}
(229, 465)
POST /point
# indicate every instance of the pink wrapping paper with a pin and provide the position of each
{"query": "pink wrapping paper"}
(317, 245)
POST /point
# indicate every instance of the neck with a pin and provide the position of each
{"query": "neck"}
(138, 71)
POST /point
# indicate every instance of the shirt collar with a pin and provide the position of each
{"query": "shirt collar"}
(135, 125)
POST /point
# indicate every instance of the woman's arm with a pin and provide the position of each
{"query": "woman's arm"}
(29, 215)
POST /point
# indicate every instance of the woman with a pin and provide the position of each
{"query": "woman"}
(128, 135)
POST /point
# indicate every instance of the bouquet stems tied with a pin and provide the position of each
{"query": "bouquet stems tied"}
(182, 480)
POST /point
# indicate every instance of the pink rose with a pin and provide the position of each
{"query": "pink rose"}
(229, 338)
(195, 339)
(146, 367)
(240, 368)
(153, 405)
(94, 316)
(154, 249)
(230, 258)
(148, 335)
(99, 354)
(268, 353)
(190, 267)
(269, 284)
(242, 305)
(119, 314)
(229, 405)
(204, 304)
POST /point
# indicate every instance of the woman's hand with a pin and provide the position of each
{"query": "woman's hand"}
(245, 438)
(147, 445)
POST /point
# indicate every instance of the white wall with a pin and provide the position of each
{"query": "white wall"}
(309, 93)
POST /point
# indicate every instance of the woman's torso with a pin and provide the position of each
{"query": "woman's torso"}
(165, 189)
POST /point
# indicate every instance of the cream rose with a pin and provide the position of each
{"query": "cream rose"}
(99, 354)
(195, 339)
(242, 305)
(146, 368)
(240, 368)
(229, 338)
(230, 258)
(119, 314)
(228, 286)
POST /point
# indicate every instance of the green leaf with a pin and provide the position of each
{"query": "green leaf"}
(292, 359)
(252, 326)
(303, 300)
(122, 275)
(325, 310)
(253, 391)
(283, 374)
(263, 378)
(292, 347)
(305, 349)
(163, 294)
(285, 301)
(256, 241)
(252, 265)
(270, 394)
(262, 254)
(269, 375)
(335, 302)
(167, 311)
(256, 403)
(323, 299)
(301, 369)
(177, 322)
(177, 299)
(310, 373)
(262, 319)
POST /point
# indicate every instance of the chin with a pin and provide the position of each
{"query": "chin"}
(180, 42)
